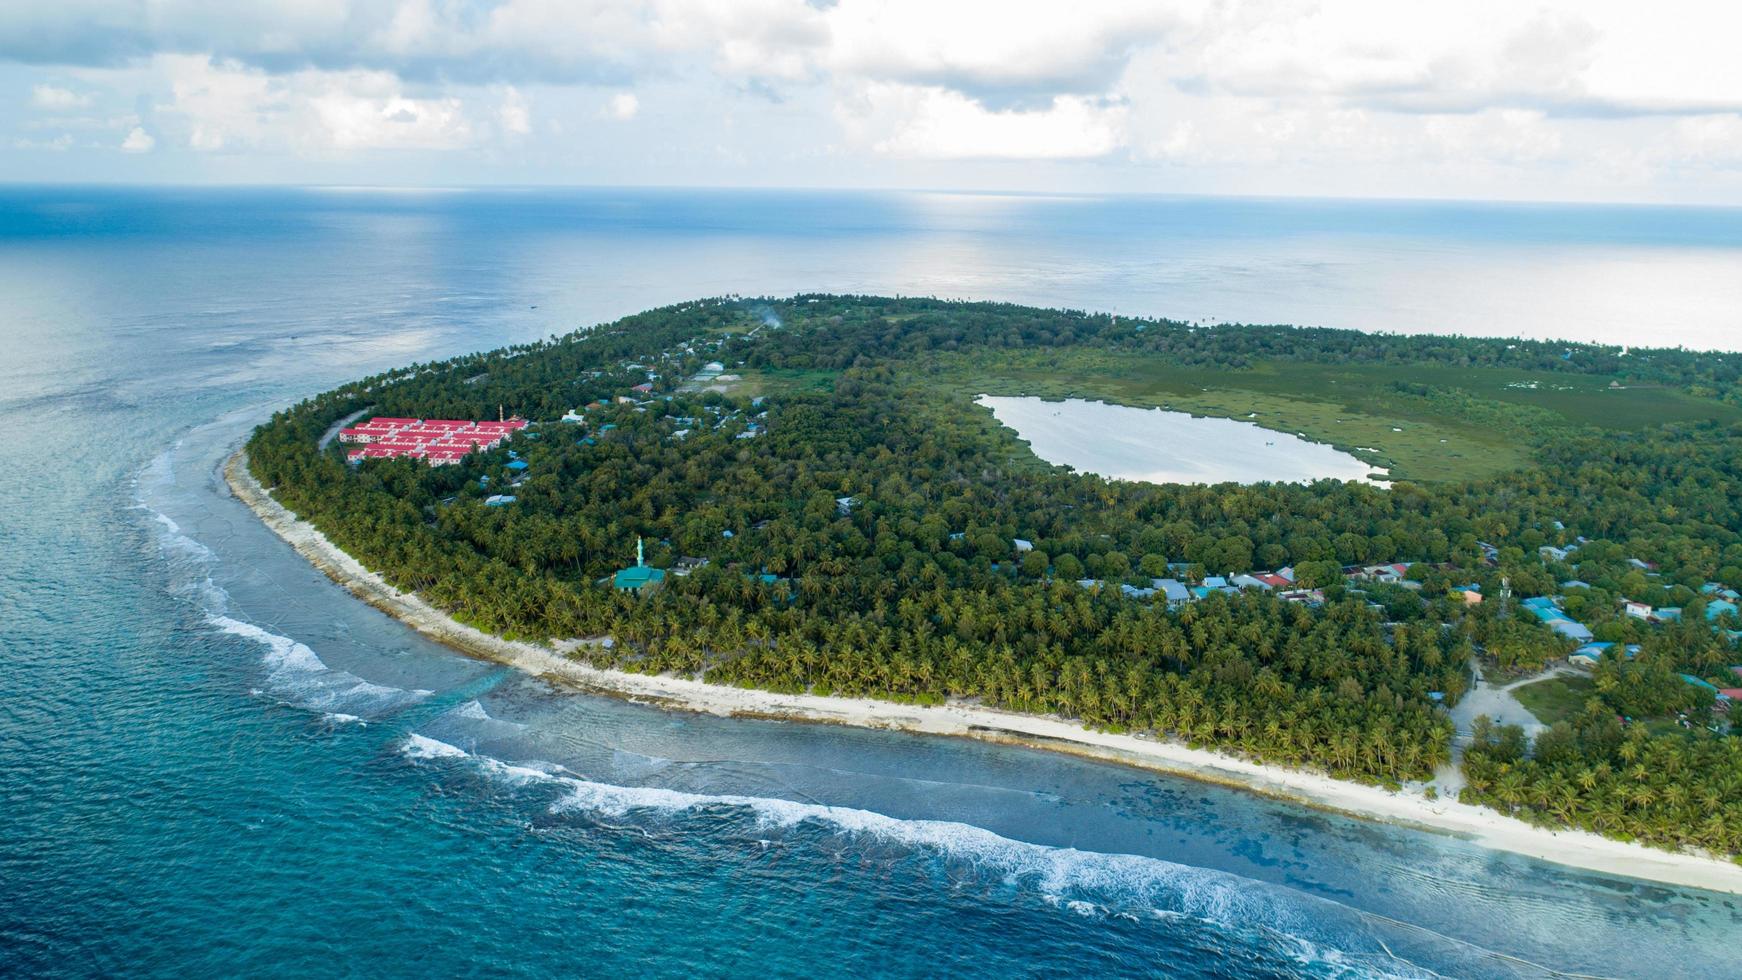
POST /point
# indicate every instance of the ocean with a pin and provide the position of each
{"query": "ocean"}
(215, 762)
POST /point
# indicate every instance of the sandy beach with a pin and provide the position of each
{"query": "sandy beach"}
(1409, 807)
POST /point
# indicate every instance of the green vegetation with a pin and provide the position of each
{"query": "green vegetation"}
(859, 519)
(1669, 789)
(1556, 699)
(1424, 422)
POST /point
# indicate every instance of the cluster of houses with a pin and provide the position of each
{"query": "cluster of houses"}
(642, 399)
(1178, 593)
(714, 417)
(438, 442)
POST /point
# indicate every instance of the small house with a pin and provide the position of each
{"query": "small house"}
(687, 564)
(1176, 592)
(1576, 632)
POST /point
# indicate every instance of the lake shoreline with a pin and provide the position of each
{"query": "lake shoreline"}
(1409, 807)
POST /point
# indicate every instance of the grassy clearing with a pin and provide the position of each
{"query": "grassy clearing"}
(1474, 423)
(1556, 699)
(782, 381)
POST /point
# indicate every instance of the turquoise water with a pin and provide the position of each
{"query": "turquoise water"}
(212, 761)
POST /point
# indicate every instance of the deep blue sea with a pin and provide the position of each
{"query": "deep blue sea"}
(214, 762)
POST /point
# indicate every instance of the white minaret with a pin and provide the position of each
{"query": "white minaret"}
(638, 559)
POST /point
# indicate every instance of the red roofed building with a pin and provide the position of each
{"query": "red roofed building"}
(439, 442)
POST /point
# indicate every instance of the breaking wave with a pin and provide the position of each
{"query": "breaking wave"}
(298, 676)
(1305, 928)
(295, 674)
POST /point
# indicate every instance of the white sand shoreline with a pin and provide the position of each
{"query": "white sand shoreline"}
(1409, 807)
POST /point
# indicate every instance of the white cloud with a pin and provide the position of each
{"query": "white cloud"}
(514, 113)
(58, 99)
(352, 120)
(1715, 140)
(936, 123)
(996, 49)
(138, 141)
(227, 107)
(1274, 91)
(58, 144)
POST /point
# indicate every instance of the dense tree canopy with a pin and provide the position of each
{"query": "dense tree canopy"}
(859, 526)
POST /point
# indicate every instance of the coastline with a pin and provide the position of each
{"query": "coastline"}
(1408, 807)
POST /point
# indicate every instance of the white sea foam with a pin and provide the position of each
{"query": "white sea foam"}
(299, 676)
(1085, 883)
(295, 673)
(171, 538)
(420, 747)
(471, 709)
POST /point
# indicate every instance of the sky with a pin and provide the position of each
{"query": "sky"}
(1490, 99)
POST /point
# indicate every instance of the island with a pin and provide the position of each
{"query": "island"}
(1479, 585)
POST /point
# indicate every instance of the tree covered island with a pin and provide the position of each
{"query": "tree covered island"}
(802, 495)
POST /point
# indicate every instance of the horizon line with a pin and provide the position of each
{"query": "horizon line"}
(863, 190)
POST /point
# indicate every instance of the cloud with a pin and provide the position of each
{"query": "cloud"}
(1282, 88)
(1584, 60)
(228, 107)
(347, 119)
(58, 144)
(1000, 54)
(138, 141)
(464, 41)
(514, 114)
(55, 98)
(624, 106)
(931, 122)
(1714, 140)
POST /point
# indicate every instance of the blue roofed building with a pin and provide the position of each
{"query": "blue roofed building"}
(1576, 632)
(1176, 592)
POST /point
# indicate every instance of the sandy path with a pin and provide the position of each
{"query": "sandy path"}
(1408, 807)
